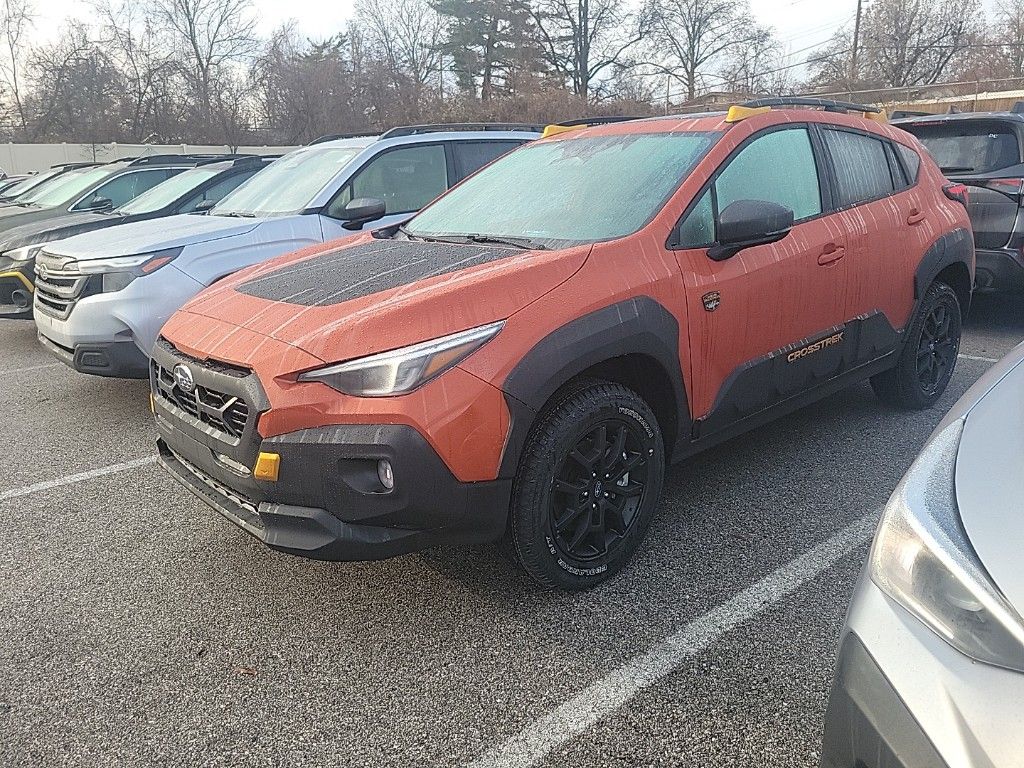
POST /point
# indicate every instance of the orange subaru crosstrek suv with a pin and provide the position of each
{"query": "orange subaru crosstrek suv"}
(524, 357)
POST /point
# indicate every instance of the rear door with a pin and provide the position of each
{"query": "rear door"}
(750, 316)
(888, 227)
(984, 154)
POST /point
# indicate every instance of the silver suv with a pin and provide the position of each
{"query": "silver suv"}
(102, 297)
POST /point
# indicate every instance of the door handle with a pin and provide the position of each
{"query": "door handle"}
(831, 254)
(915, 217)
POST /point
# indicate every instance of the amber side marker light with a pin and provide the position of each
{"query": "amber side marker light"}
(268, 465)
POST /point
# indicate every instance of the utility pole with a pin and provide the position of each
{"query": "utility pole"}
(856, 44)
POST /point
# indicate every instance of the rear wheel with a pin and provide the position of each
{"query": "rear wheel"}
(587, 485)
(929, 353)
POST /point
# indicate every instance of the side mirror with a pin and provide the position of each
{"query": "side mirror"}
(747, 223)
(203, 206)
(100, 204)
(362, 211)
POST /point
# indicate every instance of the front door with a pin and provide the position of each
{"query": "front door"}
(767, 323)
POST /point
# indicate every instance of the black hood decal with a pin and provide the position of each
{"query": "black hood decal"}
(351, 273)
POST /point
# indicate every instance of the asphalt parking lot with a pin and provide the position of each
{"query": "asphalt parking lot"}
(140, 628)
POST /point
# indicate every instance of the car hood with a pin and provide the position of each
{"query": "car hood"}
(153, 235)
(343, 301)
(56, 228)
(989, 480)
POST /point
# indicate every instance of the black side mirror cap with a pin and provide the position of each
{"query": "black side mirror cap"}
(362, 211)
(746, 223)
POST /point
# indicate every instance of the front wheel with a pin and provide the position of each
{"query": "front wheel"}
(587, 485)
(929, 353)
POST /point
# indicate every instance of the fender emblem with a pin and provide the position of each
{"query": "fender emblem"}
(712, 300)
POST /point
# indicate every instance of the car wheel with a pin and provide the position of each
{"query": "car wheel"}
(929, 353)
(587, 485)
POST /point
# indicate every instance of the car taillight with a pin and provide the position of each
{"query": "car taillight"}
(956, 192)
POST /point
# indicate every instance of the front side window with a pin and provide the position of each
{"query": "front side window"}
(862, 168)
(288, 185)
(126, 187)
(776, 167)
(405, 179)
(578, 189)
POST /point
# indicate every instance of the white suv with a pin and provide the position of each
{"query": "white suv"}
(102, 297)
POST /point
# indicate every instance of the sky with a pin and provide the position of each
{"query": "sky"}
(801, 25)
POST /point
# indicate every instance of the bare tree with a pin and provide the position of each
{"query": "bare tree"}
(692, 35)
(1009, 27)
(15, 22)
(406, 35)
(584, 40)
(757, 68)
(210, 36)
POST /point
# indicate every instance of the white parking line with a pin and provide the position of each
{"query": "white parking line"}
(603, 697)
(979, 359)
(46, 485)
(31, 368)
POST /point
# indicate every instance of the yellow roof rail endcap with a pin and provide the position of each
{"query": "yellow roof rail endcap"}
(268, 465)
(737, 113)
(554, 129)
(878, 117)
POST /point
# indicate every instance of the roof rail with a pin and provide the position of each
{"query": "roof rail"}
(584, 122)
(415, 130)
(337, 136)
(827, 105)
(70, 166)
(171, 159)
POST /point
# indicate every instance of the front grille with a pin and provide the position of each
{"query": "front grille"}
(223, 415)
(59, 285)
(244, 504)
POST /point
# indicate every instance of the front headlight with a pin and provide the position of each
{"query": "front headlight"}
(923, 559)
(141, 264)
(25, 253)
(402, 370)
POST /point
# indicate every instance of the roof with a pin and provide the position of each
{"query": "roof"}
(959, 117)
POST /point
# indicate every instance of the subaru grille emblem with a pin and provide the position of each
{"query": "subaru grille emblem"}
(183, 378)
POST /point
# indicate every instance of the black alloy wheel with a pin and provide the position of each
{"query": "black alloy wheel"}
(587, 485)
(937, 348)
(598, 489)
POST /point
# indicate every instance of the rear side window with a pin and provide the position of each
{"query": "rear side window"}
(911, 161)
(862, 168)
(471, 156)
(969, 146)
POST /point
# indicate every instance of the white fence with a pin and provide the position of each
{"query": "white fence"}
(27, 158)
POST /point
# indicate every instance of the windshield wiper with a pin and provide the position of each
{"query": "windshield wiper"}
(516, 242)
(956, 168)
(237, 214)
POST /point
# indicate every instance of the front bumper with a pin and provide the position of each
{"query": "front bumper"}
(327, 503)
(999, 271)
(120, 359)
(17, 284)
(904, 698)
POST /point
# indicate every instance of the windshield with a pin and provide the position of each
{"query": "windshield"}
(167, 192)
(975, 146)
(66, 187)
(287, 185)
(582, 189)
(32, 181)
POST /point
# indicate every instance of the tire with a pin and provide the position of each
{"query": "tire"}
(569, 527)
(929, 353)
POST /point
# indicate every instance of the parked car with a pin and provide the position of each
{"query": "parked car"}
(91, 188)
(931, 660)
(197, 188)
(984, 152)
(26, 185)
(95, 314)
(528, 352)
(9, 181)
